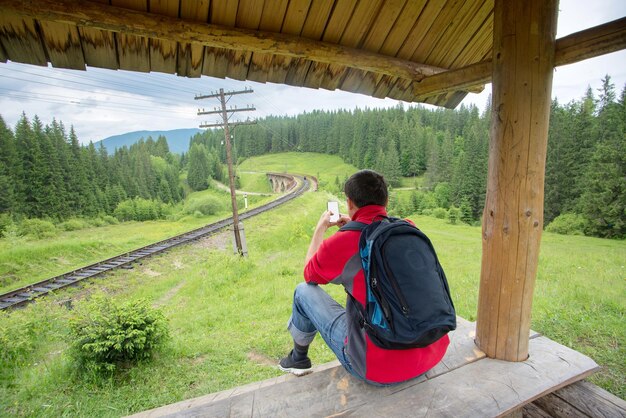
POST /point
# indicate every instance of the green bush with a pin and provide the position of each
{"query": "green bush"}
(97, 222)
(440, 213)
(106, 334)
(125, 211)
(454, 215)
(37, 228)
(147, 210)
(110, 220)
(208, 205)
(139, 209)
(74, 224)
(568, 224)
(6, 223)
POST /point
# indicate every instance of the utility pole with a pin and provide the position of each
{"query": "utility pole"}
(224, 112)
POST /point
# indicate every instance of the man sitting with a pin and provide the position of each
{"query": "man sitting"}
(315, 311)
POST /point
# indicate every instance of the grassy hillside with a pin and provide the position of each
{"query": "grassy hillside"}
(227, 315)
(324, 167)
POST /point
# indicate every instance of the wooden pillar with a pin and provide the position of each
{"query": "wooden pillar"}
(523, 62)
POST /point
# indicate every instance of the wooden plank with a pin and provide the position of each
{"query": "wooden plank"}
(131, 22)
(446, 19)
(191, 55)
(329, 75)
(263, 66)
(98, 48)
(485, 387)
(461, 351)
(592, 400)
(20, 40)
(533, 411)
(458, 37)
(313, 28)
(488, 387)
(217, 59)
(363, 81)
(62, 43)
(133, 50)
(404, 27)
(163, 53)
(295, 16)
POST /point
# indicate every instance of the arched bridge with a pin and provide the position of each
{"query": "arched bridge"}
(281, 182)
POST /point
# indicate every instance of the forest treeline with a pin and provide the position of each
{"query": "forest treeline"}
(46, 173)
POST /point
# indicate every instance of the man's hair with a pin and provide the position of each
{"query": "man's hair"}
(366, 187)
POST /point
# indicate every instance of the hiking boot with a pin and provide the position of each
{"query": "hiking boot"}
(299, 368)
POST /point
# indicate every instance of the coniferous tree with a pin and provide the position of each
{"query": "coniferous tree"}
(198, 173)
(8, 164)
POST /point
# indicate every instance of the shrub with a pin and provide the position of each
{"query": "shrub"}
(568, 224)
(97, 222)
(440, 213)
(6, 223)
(74, 224)
(37, 228)
(147, 210)
(106, 334)
(110, 220)
(208, 205)
(454, 215)
(125, 211)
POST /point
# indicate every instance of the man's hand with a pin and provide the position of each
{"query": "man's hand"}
(324, 223)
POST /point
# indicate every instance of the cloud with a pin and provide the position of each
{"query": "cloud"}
(100, 103)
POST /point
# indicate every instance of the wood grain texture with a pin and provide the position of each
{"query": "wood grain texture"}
(99, 48)
(20, 40)
(191, 55)
(592, 400)
(481, 387)
(3, 55)
(458, 38)
(62, 42)
(593, 42)
(523, 63)
(383, 21)
(325, 74)
(163, 53)
(133, 51)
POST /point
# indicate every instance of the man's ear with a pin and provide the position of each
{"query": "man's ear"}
(350, 204)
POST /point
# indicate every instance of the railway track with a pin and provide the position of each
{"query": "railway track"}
(27, 294)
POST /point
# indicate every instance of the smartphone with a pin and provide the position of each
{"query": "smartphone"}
(333, 208)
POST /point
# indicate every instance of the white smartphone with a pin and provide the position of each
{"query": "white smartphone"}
(333, 208)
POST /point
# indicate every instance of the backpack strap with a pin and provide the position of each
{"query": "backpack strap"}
(353, 226)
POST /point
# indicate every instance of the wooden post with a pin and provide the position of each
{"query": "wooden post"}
(523, 62)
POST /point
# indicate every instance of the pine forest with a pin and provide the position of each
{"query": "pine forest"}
(46, 174)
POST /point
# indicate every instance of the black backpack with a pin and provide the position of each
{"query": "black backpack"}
(408, 303)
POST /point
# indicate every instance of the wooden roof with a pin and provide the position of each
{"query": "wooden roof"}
(402, 49)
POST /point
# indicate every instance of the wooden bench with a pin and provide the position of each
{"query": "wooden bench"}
(464, 384)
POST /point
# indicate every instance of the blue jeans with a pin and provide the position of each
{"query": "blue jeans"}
(315, 311)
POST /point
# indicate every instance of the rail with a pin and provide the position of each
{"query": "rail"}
(27, 294)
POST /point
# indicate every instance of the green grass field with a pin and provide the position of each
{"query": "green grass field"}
(24, 260)
(254, 182)
(227, 315)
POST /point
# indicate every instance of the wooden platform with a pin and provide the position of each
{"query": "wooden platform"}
(464, 384)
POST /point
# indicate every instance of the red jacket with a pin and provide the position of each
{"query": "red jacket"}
(375, 363)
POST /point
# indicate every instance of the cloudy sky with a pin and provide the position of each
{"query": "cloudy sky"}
(100, 103)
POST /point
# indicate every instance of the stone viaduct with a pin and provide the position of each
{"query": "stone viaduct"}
(281, 182)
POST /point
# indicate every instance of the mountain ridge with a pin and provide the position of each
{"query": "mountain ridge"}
(177, 139)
